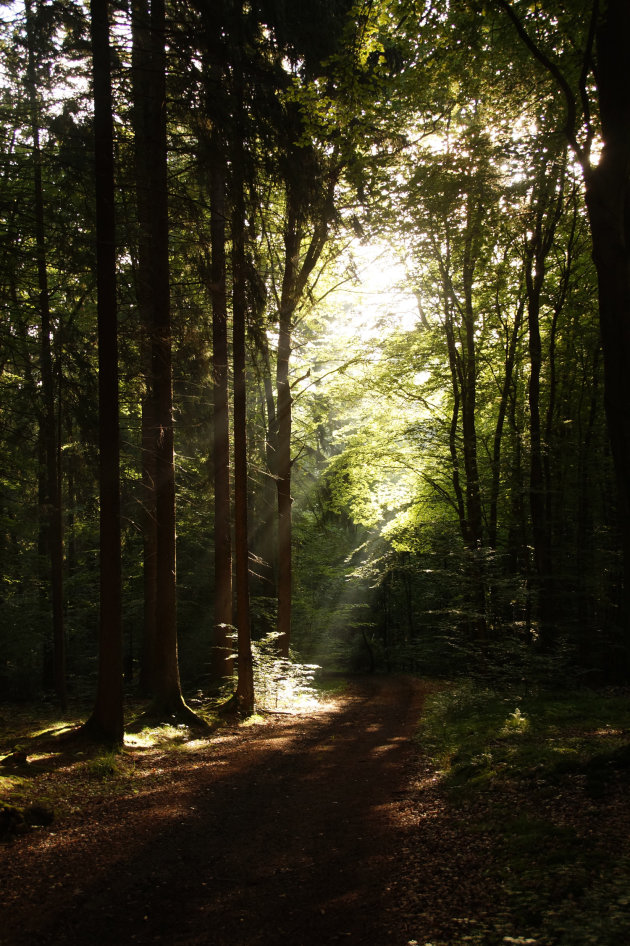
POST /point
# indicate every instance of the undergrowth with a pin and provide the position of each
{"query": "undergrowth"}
(282, 683)
(543, 777)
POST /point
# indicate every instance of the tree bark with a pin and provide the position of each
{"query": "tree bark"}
(510, 358)
(283, 425)
(141, 88)
(107, 721)
(537, 498)
(549, 198)
(167, 694)
(245, 697)
(221, 656)
(51, 494)
(295, 277)
(469, 381)
(608, 205)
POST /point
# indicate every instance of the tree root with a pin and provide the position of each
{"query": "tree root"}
(160, 714)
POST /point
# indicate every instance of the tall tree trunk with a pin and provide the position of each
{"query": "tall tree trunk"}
(107, 721)
(295, 277)
(142, 78)
(549, 197)
(537, 499)
(469, 385)
(245, 698)
(469, 425)
(453, 358)
(52, 511)
(167, 695)
(293, 239)
(585, 546)
(510, 358)
(146, 682)
(221, 656)
(463, 367)
(608, 204)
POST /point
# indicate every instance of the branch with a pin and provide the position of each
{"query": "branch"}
(552, 68)
(586, 64)
(441, 491)
(337, 369)
(302, 378)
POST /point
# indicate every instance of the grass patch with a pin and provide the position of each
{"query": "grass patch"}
(506, 736)
(63, 774)
(543, 777)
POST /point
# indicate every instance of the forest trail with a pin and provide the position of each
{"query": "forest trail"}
(288, 832)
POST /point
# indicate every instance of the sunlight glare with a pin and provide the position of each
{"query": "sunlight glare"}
(379, 303)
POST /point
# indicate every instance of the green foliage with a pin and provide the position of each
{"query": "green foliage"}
(522, 733)
(281, 683)
(102, 767)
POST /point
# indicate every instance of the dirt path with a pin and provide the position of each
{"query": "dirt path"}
(291, 832)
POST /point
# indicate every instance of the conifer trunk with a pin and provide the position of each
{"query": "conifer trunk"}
(51, 499)
(245, 697)
(221, 658)
(106, 721)
(283, 440)
(141, 86)
(167, 693)
(608, 205)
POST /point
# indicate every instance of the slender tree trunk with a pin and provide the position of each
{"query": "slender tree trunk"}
(221, 659)
(463, 367)
(53, 514)
(550, 205)
(284, 422)
(457, 374)
(107, 721)
(142, 77)
(245, 697)
(453, 428)
(167, 688)
(265, 541)
(585, 559)
(537, 504)
(294, 280)
(469, 391)
(510, 357)
(146, 682)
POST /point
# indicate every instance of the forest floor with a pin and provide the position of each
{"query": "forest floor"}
(325, 827)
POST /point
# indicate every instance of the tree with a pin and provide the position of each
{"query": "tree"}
(213, 158)
(547, 207)
(245, 686)
(51, 500)
(107, 720)
(221, 423)
(142, 78)
(167, 695)
(597, 88)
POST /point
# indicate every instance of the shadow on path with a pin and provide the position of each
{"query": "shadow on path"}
(284, 836)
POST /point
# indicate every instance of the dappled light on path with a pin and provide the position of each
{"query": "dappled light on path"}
(280, 833)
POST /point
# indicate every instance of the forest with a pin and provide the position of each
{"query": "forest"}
(315, 472)
(315, 345)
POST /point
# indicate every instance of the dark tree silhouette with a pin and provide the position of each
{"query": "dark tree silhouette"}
(106, 721)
